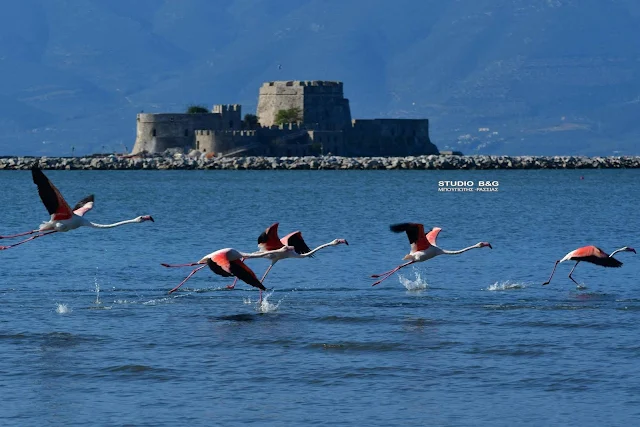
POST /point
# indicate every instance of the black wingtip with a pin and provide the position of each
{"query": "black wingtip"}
(399, 228)
(37, 175)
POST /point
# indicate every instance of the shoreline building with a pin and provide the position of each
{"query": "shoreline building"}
(324, 126)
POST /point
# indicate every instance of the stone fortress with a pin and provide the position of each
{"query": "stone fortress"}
(324, 127)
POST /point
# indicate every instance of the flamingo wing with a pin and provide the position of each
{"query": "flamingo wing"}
(295, 239)
(586, 251)
(595, 255)
(217, 269)
(84, 205)
(415, 233)
(433, 235)
(268, 240)
(50, 196)
(244, 273)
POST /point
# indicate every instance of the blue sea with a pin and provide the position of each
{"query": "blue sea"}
(89, 335)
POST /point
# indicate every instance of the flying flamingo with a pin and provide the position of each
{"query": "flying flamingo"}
(63, 218)
(268, 241)
(228, 262)
(590, 254)
(423, 247)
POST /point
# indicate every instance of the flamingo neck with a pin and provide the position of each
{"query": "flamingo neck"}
(446, 252)
(311, 252)
(115, 224)
(260, 254)
(616, 251)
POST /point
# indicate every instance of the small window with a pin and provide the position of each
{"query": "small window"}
(230, 124)
(197, 145)
(153, 132)
(186, 132)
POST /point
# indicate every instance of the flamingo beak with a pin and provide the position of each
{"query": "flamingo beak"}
(631, 250)
(149, 218)
(344, 241)
(489, 245)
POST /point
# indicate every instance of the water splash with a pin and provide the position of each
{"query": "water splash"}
(62, 308)
(417, 284)
(506, 285)
(265, 306)
(97, 290)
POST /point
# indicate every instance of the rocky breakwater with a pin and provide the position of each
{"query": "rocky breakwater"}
(196, 160)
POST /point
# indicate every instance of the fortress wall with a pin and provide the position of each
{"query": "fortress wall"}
(286, 140)
(391, 137)
(326, 112)
(275, 96)
(325, 105)
(319, 101)
(176, 127)
(230, 116)
(326, 142)
(223, 141)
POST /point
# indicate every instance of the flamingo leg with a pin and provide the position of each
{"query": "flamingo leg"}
(233, 285)
(390, 272)
(260, 297)
(26, 240)
(26, 233)
(266, 272)
(552, 272)
(187, 278)
(574, 267)
(191, 264)
(375, 276)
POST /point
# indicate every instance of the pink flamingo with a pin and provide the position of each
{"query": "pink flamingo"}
(590, 254)
(423, 247)
(63, 218)
(269, 241)
(228, 262)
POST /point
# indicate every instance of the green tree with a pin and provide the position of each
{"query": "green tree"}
(196, 109)
(291, 115)
(250, 121)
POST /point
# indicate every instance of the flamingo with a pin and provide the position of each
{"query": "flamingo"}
(268, 241)
(227, 262)
(423, 247)
(591, 254)
(63, 218)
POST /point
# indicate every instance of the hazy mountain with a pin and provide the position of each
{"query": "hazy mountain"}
(493, 76)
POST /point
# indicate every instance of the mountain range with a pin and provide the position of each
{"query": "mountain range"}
(540, 77)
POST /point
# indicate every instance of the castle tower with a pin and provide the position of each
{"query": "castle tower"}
(321, 103)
